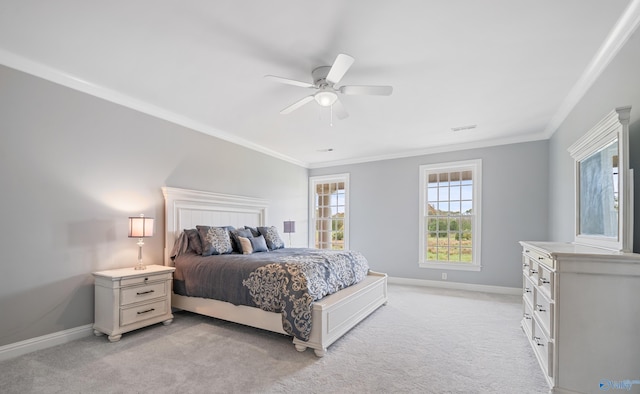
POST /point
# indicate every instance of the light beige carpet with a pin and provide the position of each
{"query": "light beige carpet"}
(425, 340)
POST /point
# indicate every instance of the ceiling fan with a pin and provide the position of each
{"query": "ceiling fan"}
(325, 79)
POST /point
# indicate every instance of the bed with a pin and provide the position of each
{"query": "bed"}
(331, 316)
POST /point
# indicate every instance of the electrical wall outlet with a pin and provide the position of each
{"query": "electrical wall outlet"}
(444, 276)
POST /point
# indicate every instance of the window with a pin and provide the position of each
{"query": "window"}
(450, 215)
(329, 222)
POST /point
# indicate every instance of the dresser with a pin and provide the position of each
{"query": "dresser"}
(581, 314)
(127, 299)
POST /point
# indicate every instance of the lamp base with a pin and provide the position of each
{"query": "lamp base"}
(140, 266)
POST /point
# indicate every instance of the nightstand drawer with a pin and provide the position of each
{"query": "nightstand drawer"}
(141, 280)
(131, 295)
(143, 312)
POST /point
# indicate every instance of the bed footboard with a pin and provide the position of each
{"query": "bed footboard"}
(332, 316)
(336, 314)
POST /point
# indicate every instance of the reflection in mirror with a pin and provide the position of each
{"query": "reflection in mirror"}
(599, 192)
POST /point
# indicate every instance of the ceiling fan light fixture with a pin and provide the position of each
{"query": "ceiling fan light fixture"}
(326, 98)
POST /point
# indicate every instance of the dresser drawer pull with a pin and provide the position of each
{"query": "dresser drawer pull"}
(527, 290)
(525, 265)
(145, 292)
(540, 308)
(527, 251)
(537, 340)
(540, 258)
(543, 280)
(532, 271)
(527, 316)
(147, 311)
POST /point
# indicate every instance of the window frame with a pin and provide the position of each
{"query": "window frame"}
(476, 167)
(323, 179)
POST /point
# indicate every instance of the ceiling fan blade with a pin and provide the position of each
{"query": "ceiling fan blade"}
(296, 105)
(290, 81)
(340, 67)
(367, 90)
(339, 109)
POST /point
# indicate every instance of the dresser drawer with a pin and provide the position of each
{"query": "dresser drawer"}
(544, 348)
(131, 295)
(527, 319)
(539, 257)
(141, 280)
(527, 288)
(545, 281)
(526, 263)
(143, 312)
(543, 310)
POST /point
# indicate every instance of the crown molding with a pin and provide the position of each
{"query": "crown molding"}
(71, 81)
(619, 35)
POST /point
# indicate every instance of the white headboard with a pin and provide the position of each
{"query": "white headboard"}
(186, 208)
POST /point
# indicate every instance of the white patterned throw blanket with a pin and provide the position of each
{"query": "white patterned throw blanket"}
(285, 281)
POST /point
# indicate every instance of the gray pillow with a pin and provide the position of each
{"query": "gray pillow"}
(240, 232)
(254, 231)
(272, 237)
(215, 240)
(258, 244)
(194, 241)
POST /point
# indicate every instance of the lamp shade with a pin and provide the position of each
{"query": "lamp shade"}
(140, 227)
(289, 226)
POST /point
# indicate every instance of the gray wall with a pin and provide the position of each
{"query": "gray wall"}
(384, 204)
(73, 168)
(619, 85)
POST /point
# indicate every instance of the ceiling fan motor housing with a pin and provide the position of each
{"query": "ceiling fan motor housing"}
(319, 75)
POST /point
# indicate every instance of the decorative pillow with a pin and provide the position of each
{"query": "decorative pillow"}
(258, 244)
(254, 231)
(215, 240)
(272, 237)
(235, 234)
(194, 241)
(245, 245)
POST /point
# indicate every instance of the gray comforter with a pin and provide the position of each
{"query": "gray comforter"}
(285, 281)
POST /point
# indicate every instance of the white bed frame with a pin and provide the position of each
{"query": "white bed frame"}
(332, 316)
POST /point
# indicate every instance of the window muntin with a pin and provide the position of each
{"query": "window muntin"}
(450, 212)
(329, 215)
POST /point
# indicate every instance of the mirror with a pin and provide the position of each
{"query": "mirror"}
(603, 184)
(598, 205)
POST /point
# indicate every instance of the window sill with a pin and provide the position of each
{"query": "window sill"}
(452, 266)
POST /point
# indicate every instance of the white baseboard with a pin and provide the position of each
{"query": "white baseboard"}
(456, 285)
(57, 338)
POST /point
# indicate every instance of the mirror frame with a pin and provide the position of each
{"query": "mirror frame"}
(614, 126)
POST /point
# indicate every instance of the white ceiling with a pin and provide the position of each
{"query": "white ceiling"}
(514, 68)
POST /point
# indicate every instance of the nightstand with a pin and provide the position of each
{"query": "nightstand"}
(127, 299)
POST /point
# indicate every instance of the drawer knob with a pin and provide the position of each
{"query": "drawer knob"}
(543, 280)
(540, 258)
(540, 308)
(527, 290)
(147, 311)
(532, 271)
(145, 292)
